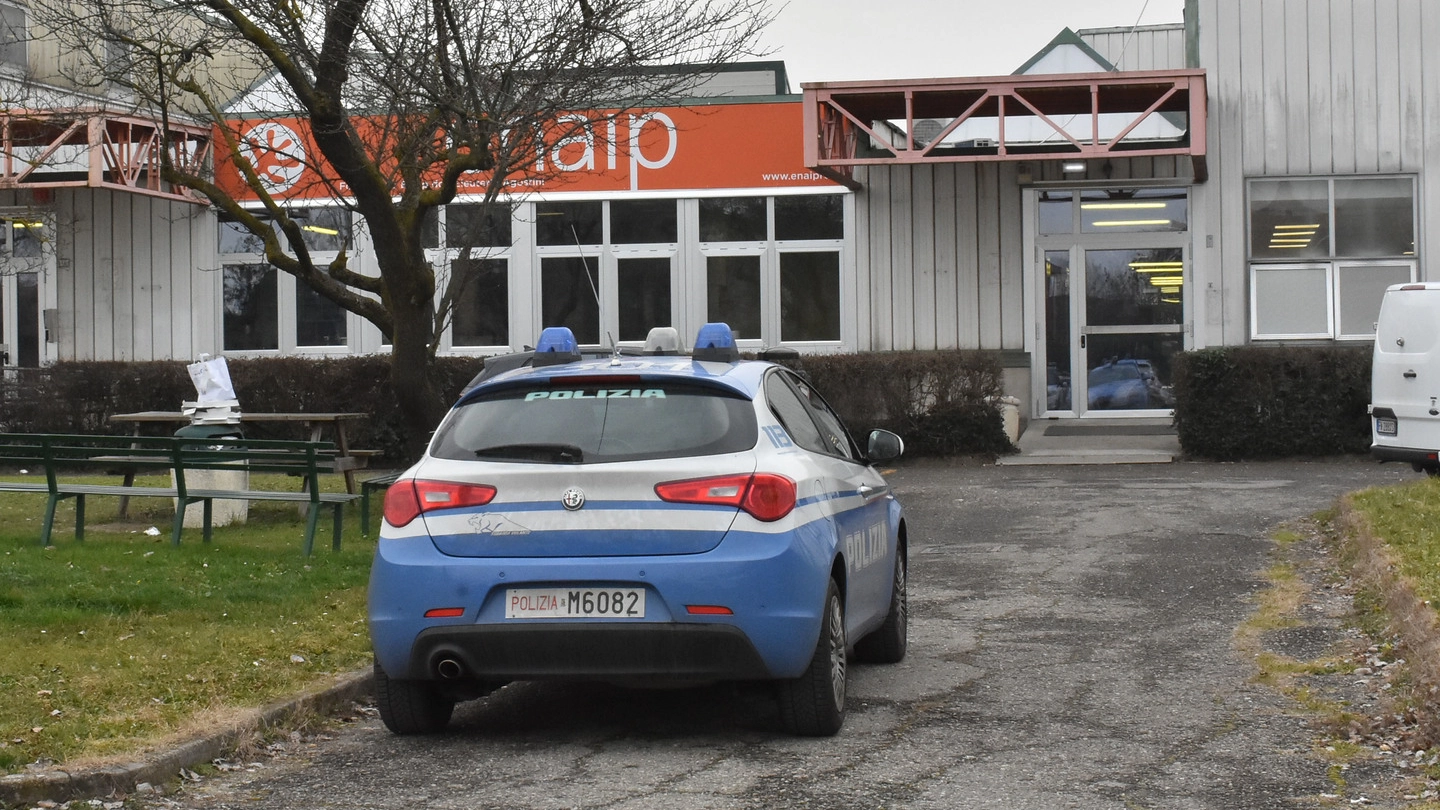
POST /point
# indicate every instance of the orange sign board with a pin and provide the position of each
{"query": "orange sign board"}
(661, 149)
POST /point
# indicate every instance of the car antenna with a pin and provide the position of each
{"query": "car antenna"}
(586, 264)
(614, 347)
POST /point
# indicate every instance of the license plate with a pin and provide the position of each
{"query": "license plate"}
(575, 603)
(1386, 426)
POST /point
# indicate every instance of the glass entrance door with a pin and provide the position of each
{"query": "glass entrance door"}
(1117, 314)
(1112, 297)
(1131, 326)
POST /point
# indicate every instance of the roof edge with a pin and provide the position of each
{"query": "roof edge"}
(1066, 37)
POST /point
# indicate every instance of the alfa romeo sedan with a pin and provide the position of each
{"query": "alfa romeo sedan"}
(638, 518)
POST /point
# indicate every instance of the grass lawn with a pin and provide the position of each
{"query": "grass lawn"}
(118, 642)
(1407, 518)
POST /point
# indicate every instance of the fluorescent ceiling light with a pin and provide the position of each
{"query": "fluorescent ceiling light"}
(1296, 227)
(1120, 206)
(1117, 223)
(1166, 281)
(1138, 265)
(318, 229)
(1072, 168)
(1274, 246)
(1171, 291)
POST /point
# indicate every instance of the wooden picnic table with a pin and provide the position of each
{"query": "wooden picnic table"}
(346, 462)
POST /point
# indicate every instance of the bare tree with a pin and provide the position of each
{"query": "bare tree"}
(405, 98)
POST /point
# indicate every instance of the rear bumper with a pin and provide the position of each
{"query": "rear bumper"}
(1408, 455)
(771, 584)
(600, 651)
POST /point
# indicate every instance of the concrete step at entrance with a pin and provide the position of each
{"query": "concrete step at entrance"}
(1147, 440)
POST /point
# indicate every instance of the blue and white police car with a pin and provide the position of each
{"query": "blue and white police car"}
(635, 517)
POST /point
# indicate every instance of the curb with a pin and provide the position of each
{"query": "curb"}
(1413, 619)
(162, 766)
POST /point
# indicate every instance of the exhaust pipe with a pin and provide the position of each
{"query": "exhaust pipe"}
(449, 669)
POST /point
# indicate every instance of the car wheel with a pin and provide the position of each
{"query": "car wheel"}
(887, 644)
(411, 707)
(814, 703)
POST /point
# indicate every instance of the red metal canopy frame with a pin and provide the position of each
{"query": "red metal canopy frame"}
(839, 114)
(98, 149)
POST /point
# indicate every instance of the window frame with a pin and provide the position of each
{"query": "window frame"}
(1333, 263)
(771, 250)
(21, 43)
(442, 258)
(287, 291)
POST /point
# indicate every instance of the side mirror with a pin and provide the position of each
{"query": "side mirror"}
(884, 446)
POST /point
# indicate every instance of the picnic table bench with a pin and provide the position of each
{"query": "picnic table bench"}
(62, 457)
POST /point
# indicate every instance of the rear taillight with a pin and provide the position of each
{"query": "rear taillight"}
(765, 496)
(406, 500)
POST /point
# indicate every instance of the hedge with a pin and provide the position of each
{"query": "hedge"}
(941, 403)
(1257, 402)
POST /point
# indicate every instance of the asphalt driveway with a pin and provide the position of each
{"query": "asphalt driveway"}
(1071, 647)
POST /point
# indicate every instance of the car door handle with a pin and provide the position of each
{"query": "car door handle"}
(1409, 375)
(870, 493)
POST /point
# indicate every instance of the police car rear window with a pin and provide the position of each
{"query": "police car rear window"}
(586, 424)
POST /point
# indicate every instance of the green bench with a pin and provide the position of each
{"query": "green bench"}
(62, 457)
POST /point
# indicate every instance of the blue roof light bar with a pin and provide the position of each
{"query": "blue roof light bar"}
(556, 345)
(716, 342)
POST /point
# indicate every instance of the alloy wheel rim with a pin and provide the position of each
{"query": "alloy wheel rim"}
(837, 652)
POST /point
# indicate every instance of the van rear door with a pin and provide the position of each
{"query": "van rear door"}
(1405, 376)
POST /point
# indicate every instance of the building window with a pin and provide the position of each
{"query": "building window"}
(252, 316)
(644, 300)
(14, 34)
(482, 307)
(1322, 252)
(642, 222)
(477, 226)
(809, 296)
(566, 224)
(475, 248)
(773, 266)
(809, 216)
(733, 219)
(732, 294)
(325, 230)
(263, 309)
(318, 320)
(569, 296)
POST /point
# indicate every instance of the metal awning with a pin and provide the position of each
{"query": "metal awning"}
(1005, 118)
(97, 149)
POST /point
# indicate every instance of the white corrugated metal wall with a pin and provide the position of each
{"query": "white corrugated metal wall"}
(1150, 47)
(136, 277)
(1308, 87)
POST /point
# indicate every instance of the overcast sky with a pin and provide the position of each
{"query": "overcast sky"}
(834, 40)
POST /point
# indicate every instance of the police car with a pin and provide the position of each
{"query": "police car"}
(634, 517)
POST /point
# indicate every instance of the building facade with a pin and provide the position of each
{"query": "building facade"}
(1257, 173)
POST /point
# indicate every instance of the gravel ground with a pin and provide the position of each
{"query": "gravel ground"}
(1074, 644)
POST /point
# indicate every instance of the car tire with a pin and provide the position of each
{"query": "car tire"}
(411, 707)
(813, 704)
(887, 644)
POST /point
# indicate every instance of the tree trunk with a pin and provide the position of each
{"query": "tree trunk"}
(419, 398)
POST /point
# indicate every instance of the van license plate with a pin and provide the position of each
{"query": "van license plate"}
(1386, 426)
(575, 603)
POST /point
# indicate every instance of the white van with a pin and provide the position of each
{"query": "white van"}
(1405, 377)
